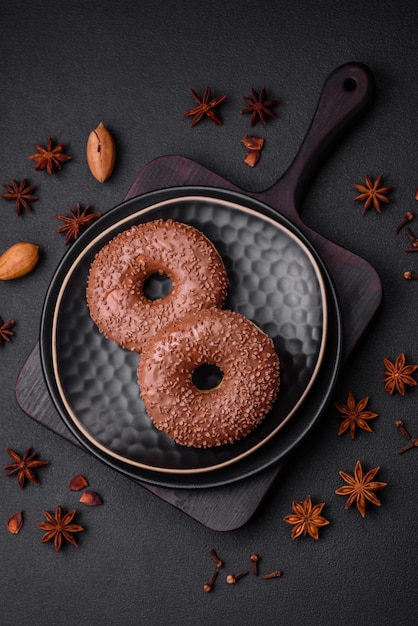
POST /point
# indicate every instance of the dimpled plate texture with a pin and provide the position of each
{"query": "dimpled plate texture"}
(274, 281)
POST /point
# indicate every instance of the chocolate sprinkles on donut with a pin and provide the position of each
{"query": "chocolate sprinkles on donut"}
(115, 294)
(205, 418)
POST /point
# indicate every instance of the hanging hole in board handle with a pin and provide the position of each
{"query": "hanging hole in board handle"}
(350, 84)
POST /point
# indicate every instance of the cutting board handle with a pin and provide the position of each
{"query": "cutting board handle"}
(346, 94)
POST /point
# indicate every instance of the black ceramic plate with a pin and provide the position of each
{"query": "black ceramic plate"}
(276, 280)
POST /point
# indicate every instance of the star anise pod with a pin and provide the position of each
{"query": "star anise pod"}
(306, 518)
(372, 193)
(74, 223)
(259, 107)
(398, 375)
(24, 465)
(5, 332)
(59, 527)
(205, 107)
(21, 193)
(360, 488)
(354, 416)
(50, 158)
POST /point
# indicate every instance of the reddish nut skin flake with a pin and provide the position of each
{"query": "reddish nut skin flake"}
(218, 562)
(15, 523)
(252, 158)
(91, 498)
(253, 143)
(77, 483)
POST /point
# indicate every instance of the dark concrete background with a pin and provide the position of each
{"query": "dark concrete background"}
(64, 67)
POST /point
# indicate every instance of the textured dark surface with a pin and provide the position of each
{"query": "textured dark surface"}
(226, 508)
(64, 66)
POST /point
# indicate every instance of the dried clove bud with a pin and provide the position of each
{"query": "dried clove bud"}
(218, 562)
(401, 426)
(412, 444)
(410, 275)
(209, 585)
(413, 240)
(77, 483)
(408, 217)
(231, 579)
(254, 558)
(15, 523)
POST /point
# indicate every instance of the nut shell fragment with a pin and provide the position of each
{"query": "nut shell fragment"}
(91, 498)
(252, 143)
(252, 158)
(15, 523)
(77, 483)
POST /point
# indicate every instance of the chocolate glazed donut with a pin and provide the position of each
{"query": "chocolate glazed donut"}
(115, 294)
(223, 414)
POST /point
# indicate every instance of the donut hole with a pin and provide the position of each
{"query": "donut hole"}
(207, 377)
(157, 286)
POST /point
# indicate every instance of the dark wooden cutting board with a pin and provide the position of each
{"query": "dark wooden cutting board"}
(346, 94)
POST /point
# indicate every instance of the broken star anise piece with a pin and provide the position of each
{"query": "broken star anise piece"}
(398, 375)
(23, 466)
(5, 331)
(74, 223)
(306, 518)
(360, 488)
(259, 107)
(50, 158)
(21, 193)
(254, 146)
(205, 107)
(372, 193)
(59, 527)
(354, 416)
